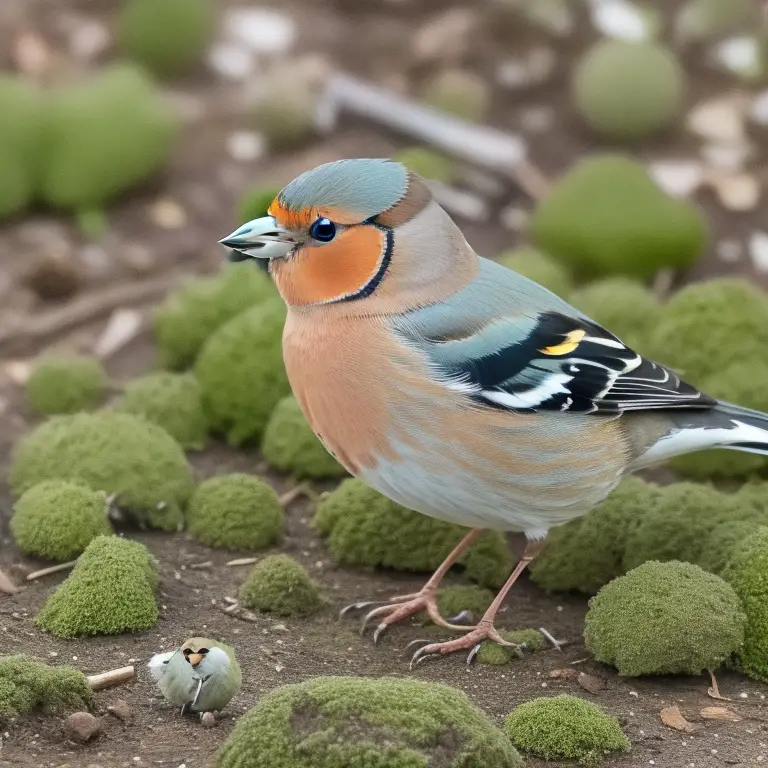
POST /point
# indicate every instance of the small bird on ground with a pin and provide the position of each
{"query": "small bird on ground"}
(202, 675)
(455, 386)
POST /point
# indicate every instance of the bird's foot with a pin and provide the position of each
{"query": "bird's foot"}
(470, 642)
(400, 608)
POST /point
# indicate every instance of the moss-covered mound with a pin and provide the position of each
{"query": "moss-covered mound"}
(168, 38)
(66, 384)
(587, 553)
(241, 372)
(278, 584)
(565, 728)
(628, 91)
(235, 511)
(20, 133)
(625, 307)
(27, 685)
(111, 590)
(606, 216)
(497, 655)
(289, 444)
(735, 315)
(58, 519)
(117, 453)
(255, 202)
(537, 266)
(195, 310)
(744, 383)
(102, 137)
(748, 575)
(173, 401)
(360, 723)
(365, 528)
(459, 92)
(428, 164)
(451, 601)
(664, 618)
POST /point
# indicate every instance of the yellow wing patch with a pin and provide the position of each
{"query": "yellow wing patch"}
(572, 340)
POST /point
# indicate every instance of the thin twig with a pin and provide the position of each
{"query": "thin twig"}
(290, 496)
(113, 677)
(6, 585)
(51, 569)
(495, 150)
(714, 690)
(244, 561)
(42, 327)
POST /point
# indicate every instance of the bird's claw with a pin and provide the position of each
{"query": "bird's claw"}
(472, 642)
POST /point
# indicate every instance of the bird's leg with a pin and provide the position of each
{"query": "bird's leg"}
(400, 608)
(484, 630)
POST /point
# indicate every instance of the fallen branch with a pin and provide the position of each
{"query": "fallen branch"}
(42, 327)
(6, 585)
(111, 678)
(243, 561)
(51, 569)
(500, 152)
(290, 496)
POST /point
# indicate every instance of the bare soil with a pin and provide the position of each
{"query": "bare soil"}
(372, 40)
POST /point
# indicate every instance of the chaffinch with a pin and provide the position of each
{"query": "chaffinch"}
(201, 675)
(453, 385)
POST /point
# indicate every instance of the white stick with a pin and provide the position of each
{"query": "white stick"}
(51, 569)
(113, 677)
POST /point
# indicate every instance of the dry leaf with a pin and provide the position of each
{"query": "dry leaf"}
(591, 683)
(565, 674)
(6, 585)
(673, 718)
(719, 713)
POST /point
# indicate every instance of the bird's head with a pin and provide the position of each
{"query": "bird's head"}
(356, 233)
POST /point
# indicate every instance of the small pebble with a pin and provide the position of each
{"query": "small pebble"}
(82, 727)
(208, 720)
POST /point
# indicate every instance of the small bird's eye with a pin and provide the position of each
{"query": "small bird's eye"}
(187, 651)
(203, 651)
(323, 230)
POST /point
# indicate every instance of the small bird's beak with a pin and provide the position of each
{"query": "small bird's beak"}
(261, 238)
(195, 658)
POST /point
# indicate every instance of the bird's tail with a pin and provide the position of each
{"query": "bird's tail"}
(724, 426)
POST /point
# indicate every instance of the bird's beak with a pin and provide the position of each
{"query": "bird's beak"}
(261, 238)
(195, 658)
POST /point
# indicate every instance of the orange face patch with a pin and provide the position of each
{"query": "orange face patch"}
(333, 271)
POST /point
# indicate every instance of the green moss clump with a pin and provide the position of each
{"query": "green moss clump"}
(289, 444)
(278, 584)
(428, 164)
(363, 723)
(111, 590)
(664, 618)
(748, 575)
(723, 542)
(27, 685)
(241, 372)
(745, 383)
(168, 38)
(102, 137)
(117, 453)
(623, 306)
(607, 216)
(20, 134)
(627, 91)
(565, 728)
(196, 310)
(735, 315)
(451, 601)
(498, 655)
(66, 384)
(678, 524)
(235, 511)
(587, 553)
(255, 202)
(460, 93)
(173, 401)
(365, 528)
(537, 266)
(58, 519)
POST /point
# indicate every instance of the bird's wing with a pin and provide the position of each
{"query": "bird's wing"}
(507, 343)
(158, 664)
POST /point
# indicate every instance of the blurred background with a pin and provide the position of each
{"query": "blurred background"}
(135, 134)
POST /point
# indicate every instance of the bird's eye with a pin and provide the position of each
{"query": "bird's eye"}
(323, 230)
(187, 651)
(203, 651)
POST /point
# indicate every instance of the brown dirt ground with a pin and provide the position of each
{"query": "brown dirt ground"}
(371, 40)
